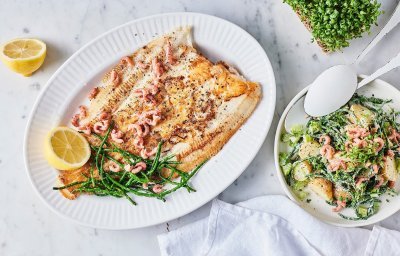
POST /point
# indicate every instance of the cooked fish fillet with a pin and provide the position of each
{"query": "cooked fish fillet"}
(201, 104)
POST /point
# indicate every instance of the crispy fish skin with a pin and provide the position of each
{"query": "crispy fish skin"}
(202, 104)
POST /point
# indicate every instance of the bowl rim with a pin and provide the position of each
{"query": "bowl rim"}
(285, 186)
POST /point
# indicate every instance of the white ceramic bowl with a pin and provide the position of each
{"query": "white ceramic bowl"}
(317, 206)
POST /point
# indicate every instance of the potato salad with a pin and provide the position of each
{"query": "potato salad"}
(349, 157)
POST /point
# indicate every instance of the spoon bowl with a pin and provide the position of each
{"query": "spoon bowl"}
(331, 89)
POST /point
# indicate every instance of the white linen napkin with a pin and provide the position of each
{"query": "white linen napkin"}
(273, 225)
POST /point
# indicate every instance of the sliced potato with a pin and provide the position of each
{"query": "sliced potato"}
(308, 149)
(363, 115)
(322, 187)
(340, 194)
(389, 169)
(301, 171)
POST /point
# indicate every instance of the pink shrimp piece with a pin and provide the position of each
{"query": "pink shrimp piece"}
(390, 153)
(101, 126)
(140, 130)
(326, 139)
(391, 183)
(127, 61)
(145, 186)
(353, 132)
(360, 180)
(139, 167)
(75, 120)
(169, 51)
(116, 136)
(114, 77)
(340, 206)
(327, 151)
(381, 180)
(157, 67)
(144, 153)
(138, 142)
(157, 188)
(381, 144)
(86, 129)
(142, 65)
(114, 167)
(83, 111)
(93, 93)
(360, 143)
(375, 168)
(154, 87)
(151, 117)
(104, 116)
(394, 136)
(347, 145)
(337, 164)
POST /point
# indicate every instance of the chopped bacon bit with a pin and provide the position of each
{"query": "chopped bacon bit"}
(116, 136)
(327, 151)
(83, 111)
(114, 77)
(75, 120)
(154, 87)
(326, 139)
(157, 67)
(170, 54)
(127, 61)
(157, 188)
(93, 93)
(340, 206)
(114, 167)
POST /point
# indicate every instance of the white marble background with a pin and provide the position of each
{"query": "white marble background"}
(27, 227)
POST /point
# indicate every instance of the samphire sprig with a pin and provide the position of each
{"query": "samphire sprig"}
(124, 183)
(333, 23)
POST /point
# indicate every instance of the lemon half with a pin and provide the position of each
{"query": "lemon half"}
(66, 149)
(23, 56)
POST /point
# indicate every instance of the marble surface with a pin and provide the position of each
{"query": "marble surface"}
(27, 227)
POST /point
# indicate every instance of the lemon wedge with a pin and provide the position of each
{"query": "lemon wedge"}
(66, 149)
(23, 56)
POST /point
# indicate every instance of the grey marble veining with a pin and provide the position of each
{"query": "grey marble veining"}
(27, 227)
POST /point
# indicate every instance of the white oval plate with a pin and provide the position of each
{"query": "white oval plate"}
(215, 38)
(318, 207)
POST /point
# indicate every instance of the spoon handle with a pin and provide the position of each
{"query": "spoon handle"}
(393, 63)
(393, 21)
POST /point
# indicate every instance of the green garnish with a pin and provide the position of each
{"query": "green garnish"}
(334, 22)
(121, 184)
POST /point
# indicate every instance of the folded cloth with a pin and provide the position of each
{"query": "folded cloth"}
(273, 225)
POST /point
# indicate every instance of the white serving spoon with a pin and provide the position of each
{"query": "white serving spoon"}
(331, 89)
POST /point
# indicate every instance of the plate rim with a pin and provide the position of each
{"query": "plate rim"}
(282, 181)
(194, 207)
